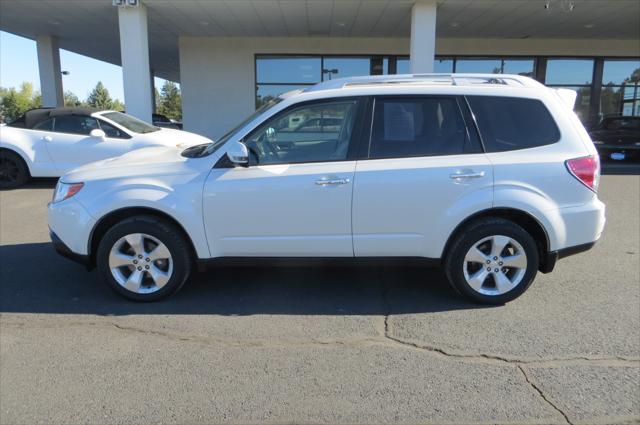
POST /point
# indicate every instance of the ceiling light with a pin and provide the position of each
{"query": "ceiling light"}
(589, 26)
(204, 23)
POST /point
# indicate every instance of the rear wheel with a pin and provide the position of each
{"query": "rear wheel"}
(492, 261)
(13, 170)
(144, 258)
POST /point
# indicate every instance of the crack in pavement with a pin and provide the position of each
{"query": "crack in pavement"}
(387, 339)
(544, 397)
(492, 358)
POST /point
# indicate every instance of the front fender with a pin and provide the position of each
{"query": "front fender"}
(180, 199)
(33, 152)
(27, 155)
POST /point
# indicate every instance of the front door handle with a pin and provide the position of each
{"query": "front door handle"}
(464, 176)
(331, 182)
(47, 138)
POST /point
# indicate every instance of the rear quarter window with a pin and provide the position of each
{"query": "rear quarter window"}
(511, 123)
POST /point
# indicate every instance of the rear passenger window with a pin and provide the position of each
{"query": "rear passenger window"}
(510, 123)
(417, 126)
(75, 124)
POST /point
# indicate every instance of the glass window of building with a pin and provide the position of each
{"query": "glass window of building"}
(484, 66)
(340, 67)
(524, 67)
(279, 74)
(574, 74)
(287, 70)
(620, 93)
(496, 66)
(569, 72)
(441, 66)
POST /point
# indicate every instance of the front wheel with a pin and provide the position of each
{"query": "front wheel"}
(13, 171)
(492, 261)
(144, 258)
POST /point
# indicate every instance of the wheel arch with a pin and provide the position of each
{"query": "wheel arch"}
(23, 156)
(522, 218)
(109, 220)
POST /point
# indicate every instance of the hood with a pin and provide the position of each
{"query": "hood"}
(146, 162)
(173, 137)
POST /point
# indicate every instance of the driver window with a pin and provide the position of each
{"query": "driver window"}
(75, 124)
(111, 131)
(314, 133)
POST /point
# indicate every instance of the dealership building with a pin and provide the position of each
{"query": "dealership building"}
(229, 56)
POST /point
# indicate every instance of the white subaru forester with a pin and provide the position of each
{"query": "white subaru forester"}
(491, 176)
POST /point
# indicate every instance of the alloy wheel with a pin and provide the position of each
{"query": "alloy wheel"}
(140, 263)
(495, 265)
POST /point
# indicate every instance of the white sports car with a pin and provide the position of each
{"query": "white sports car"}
(48, 142)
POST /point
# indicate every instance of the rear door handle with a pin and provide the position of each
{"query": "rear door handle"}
(464, 176)
(47, 138)
(331, 182)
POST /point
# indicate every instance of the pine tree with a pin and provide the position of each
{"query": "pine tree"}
(170, 102)
(99, 98)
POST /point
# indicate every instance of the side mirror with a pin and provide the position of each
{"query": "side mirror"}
(97, 133)
(238, 154)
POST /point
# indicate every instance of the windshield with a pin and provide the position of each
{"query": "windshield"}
(212, 147)
(130, 123)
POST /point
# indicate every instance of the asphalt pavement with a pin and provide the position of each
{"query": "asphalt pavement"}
(319, 344)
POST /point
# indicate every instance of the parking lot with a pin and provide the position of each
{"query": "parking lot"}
(319, 344)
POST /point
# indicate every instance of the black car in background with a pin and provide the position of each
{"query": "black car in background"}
(617, 138)
(160, 120)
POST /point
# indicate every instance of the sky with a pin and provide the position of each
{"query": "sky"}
(19, 62)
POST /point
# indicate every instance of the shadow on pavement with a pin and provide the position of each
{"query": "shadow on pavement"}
(34, 279)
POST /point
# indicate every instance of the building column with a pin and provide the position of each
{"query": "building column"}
(423, 36)
(134, 52)
(153, 91)
(50, 73)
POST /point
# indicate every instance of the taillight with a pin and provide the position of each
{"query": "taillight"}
(586, 170)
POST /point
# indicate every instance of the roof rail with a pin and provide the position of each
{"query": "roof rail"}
(428, 79)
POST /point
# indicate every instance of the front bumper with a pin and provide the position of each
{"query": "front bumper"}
(70, 226)
(64, 250)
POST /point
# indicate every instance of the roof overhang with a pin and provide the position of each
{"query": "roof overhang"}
(90, 27)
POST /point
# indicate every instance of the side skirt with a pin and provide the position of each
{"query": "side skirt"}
(204, 264)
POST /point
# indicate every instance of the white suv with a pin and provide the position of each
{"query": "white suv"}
(491, 176)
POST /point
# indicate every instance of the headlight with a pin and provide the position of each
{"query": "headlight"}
(65, 191)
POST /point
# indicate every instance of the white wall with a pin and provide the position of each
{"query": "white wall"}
(217, 74)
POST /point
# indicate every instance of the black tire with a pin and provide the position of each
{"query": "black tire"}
(167, 233)
(13, 171)
(475, 232)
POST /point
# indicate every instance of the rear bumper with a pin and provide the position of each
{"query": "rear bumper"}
(581, 228)
(549, 262)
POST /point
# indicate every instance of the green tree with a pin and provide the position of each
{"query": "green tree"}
(117, 105)
(70, 99)
(14, 103)
(99, 97)
(170, 102)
